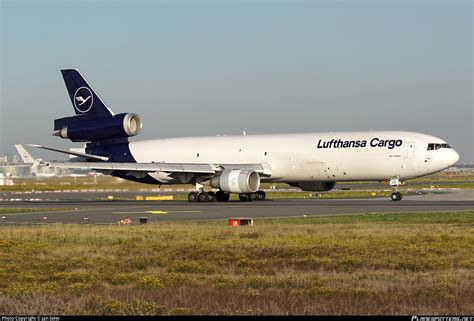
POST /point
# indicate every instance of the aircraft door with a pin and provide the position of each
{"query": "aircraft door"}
(410, 157)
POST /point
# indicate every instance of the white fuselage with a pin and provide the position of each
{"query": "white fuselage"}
(342, 156)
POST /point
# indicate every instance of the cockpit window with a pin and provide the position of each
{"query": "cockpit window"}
(433, 146)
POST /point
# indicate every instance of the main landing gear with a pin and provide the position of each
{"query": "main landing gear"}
(202, 197)
(396, 195)
(257, 196)
(221, 196)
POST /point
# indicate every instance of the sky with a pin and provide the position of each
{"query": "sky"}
(195, 68)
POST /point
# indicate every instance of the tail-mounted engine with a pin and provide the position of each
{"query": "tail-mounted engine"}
(85, 129)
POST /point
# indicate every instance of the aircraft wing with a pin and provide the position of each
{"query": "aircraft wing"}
(161, 167)
(101, 163)
(139, 167)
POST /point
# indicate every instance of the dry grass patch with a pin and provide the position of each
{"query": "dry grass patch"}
(412, 263)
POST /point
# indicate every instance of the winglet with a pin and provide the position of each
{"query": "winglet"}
(25, 156)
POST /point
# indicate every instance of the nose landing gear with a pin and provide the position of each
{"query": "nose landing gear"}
(396, 195)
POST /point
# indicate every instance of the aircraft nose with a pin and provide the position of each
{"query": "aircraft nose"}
(454, 157)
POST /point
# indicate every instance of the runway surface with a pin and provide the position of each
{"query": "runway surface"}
(106, 212)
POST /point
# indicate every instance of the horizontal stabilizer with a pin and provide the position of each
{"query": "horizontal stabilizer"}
(25, 156)
(87, 156)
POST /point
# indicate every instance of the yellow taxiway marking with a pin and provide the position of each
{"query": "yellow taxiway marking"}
(157, 212)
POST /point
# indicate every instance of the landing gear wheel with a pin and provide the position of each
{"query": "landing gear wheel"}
(193, 197)
(244, 197)
(396, 196)
(222, 197)
(203, 197)
(212, 196)
(261, 195)
(253, 197)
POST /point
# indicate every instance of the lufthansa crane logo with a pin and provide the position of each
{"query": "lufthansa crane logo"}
(83, 99)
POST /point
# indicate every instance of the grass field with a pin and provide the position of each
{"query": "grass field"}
(412, 263)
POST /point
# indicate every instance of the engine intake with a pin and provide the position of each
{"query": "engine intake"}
(237, 181)
(118, 126)
(315, 186)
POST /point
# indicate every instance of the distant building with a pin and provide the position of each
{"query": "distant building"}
(16, 170)
(460, 169)
(9, 158)
(5, 180)
(13, 166)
